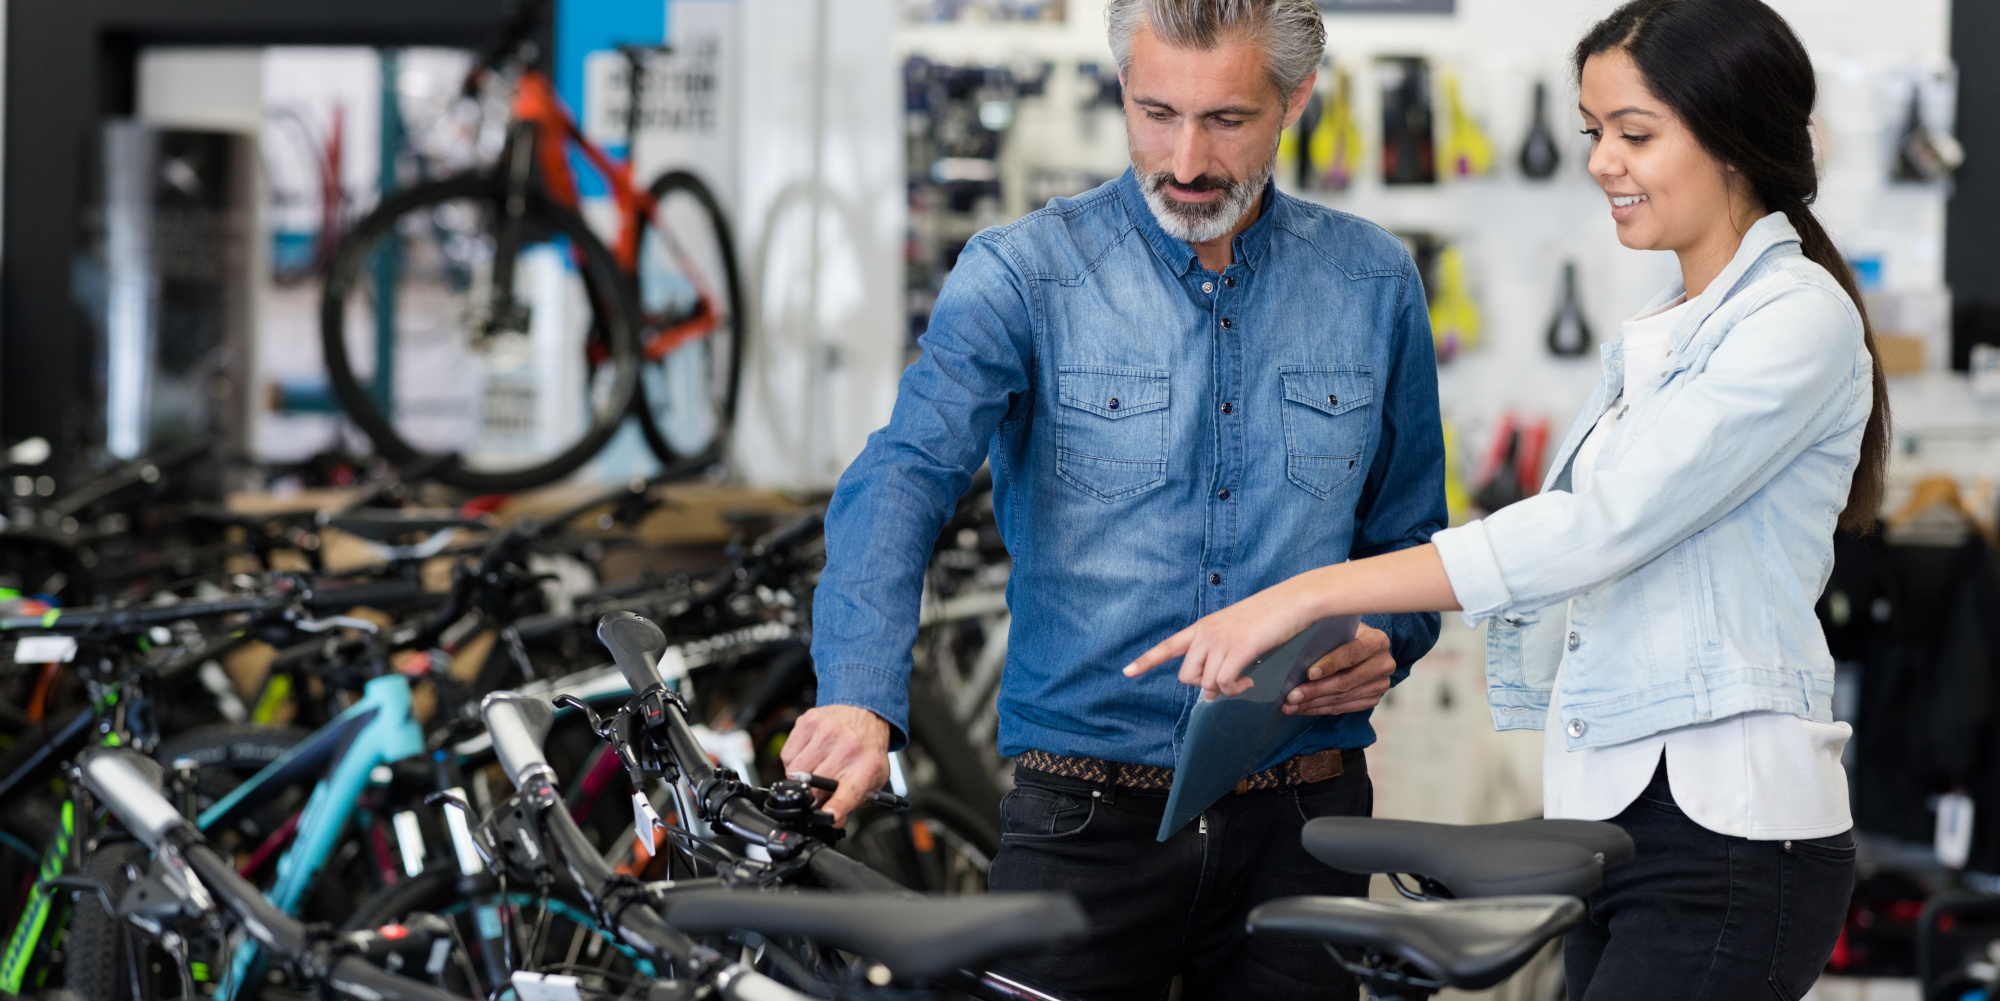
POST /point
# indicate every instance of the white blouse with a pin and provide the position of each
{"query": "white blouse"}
(1765, 776)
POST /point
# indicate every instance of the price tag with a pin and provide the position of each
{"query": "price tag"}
(45, 650)
(1954, 829)
(644, 820)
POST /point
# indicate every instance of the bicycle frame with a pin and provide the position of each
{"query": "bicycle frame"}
(376, 730)
(537, 106)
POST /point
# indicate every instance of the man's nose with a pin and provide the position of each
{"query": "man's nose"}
(1191, 153)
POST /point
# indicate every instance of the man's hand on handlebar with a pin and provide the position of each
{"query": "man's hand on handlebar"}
(845, 743)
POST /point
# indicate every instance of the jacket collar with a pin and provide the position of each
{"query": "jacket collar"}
(1178, 255)
(1766, 234)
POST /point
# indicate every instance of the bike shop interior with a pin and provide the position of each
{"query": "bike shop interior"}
(553, 308)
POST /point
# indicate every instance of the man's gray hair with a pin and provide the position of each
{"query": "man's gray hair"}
(1291, 31)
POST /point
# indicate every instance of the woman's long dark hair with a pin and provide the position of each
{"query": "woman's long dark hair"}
(1737, 75)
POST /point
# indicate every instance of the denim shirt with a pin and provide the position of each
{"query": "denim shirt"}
(1692, 563)
(1165, 440)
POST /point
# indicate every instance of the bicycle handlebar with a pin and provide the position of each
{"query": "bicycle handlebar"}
(518, 724)
(634, 643)
(128, 784)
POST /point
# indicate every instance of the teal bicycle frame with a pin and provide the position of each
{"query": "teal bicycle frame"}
(376, 730)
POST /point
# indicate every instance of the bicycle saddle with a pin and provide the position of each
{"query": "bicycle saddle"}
(1564, 857)
(1468, 944)
(917, 938)
(388, 525)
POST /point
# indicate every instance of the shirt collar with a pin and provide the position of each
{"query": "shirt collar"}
(1177, 254)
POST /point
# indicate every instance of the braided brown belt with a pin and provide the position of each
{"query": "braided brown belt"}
(1302, 770)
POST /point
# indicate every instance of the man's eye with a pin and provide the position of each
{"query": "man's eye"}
(1229, 123)
(1159, 116)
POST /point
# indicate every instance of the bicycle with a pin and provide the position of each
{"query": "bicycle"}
(535, 340)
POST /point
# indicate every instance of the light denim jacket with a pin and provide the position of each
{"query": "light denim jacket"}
(1706, 536)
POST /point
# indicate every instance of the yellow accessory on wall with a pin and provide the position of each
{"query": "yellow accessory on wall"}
(1466, 152)
(1336, 142)
(1457, 499)
(1454, 315)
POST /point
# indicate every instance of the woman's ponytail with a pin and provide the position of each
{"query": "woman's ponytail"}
(1864, 494)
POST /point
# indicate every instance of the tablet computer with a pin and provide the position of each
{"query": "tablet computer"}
(1229, 736)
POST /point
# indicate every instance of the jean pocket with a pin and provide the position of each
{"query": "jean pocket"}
(1111, 429)
(1035, 814)
(1818, 882)
(1326, 423)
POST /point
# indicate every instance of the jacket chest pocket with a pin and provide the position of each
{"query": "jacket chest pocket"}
(1327, 419)
(1111, 430)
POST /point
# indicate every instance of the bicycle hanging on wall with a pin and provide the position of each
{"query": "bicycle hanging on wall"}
(481, 316)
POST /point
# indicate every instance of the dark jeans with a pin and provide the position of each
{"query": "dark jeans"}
(1701, 916)
(1178, 907)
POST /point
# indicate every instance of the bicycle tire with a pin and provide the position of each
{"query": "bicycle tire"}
(644, 406)
(615, 331)
(96, 963)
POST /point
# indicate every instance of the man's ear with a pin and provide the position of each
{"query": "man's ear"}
(1296, 104)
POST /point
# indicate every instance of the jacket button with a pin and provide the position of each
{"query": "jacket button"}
(1113, 405)
(1226, 324)
(1215, 578)
(1573, 641)
(1575, 728)
(1231, 282)
(1332, 400)
(1222, 494)
(1208, 286)
(1228, 408)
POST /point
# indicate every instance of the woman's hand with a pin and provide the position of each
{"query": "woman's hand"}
(1215, 650)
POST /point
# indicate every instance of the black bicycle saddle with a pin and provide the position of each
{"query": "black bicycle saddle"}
(917, 938)
(1564, 857)
(1468, 944)
(388, 524)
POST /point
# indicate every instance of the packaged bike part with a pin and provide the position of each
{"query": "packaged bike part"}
(1229, 737)
(1569, 332)
(1409, 149)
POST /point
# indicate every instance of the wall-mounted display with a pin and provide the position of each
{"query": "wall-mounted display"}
(1467, 152)
(1540, 156)
(1569, 332)
(1409, 146)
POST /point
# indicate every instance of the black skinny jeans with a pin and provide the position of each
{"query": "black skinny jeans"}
(1701, 916)
(1160, 909)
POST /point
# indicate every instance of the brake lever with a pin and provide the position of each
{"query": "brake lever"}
(644, 817)
(886, 800)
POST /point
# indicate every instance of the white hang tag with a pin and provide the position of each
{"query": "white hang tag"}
(45, 650)
(532, 986)
(644, 820)
(1954, 829)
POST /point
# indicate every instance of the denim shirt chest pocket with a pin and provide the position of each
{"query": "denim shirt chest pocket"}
(1327, 420)
(1111, 429)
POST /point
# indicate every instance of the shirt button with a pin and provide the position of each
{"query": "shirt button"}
(1226, 324)
(1215, 578)
(1113, 405)
(1231, 282)
(1228, 408)
(1575, 728)
(1222, 494)
(1573, 641)
(1332, 400)
(1208, 286)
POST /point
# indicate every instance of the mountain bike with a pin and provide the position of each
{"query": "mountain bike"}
(482, 316)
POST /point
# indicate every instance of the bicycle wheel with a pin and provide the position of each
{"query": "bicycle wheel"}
(939, 845)
(417, 358)
(100, 954)
(691, 308)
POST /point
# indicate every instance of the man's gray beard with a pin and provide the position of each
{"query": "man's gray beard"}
(1201, 222)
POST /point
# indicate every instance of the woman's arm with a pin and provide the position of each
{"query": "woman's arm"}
(1216, 649)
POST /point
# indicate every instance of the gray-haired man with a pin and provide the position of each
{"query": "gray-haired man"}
(1191, 386)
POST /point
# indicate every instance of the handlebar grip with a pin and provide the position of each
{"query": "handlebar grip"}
(389, 594)
(129, 784)
(839, 872)
(519, 724)
(741, 983)
(635, 644)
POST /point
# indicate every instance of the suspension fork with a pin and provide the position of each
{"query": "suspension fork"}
(505, 313)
